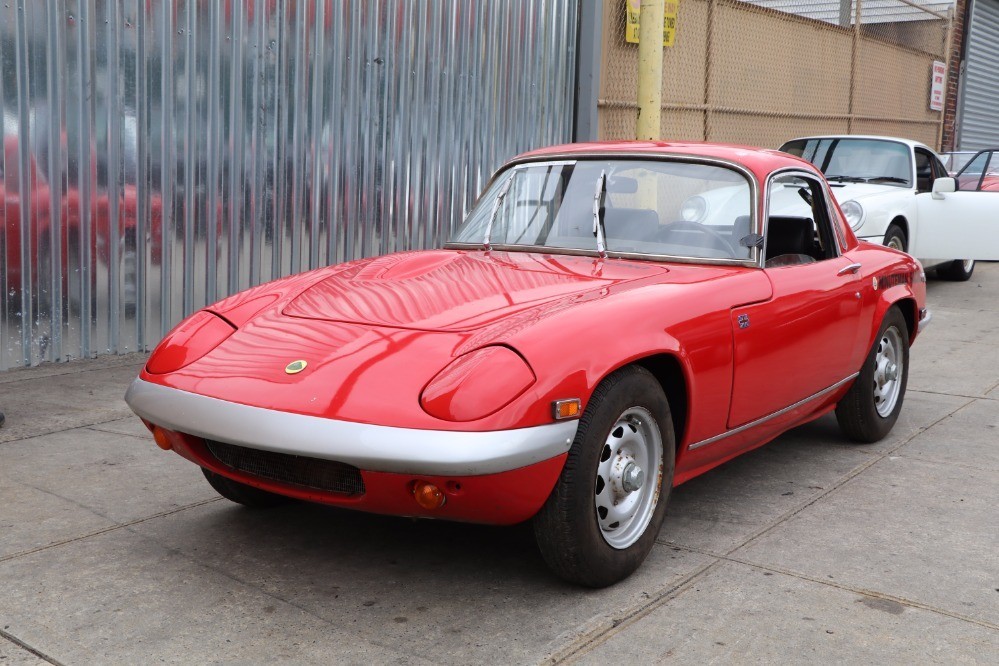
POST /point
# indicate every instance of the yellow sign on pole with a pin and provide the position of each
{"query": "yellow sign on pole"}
(634, 9)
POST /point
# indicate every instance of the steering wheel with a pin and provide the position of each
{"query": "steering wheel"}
(717, 240)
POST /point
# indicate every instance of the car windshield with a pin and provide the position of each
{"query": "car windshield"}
(856, 160)
(652, 207)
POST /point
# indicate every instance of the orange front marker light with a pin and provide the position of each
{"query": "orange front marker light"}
(162, 439)
(567, 409)
(427, 495)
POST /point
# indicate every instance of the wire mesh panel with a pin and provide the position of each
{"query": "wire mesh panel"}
(159, 155)
(760, 72)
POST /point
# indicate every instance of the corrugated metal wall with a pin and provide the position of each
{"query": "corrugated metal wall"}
(161, 154)
(978, 108)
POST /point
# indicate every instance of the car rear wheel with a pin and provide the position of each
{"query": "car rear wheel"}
(242, 493)
(958, 271)
(895, 238)
(870, 408)
(602, 518)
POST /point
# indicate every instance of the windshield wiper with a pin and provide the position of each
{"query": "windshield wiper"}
(888, 179)
(598, 214)
(496, 206)
(846, 179)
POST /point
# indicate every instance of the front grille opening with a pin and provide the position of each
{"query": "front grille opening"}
(314, 473)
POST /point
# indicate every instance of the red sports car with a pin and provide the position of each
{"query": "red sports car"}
(580, 347)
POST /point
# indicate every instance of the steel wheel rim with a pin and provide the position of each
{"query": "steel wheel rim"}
(895, 243)
(968, 264)
(888, 371)
(623, 511)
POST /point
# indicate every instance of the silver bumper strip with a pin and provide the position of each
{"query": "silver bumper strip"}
(924, 320)
(369, 447)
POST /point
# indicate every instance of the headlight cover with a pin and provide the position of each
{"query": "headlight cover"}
(854, 213)
(477, 384)
(188, 341)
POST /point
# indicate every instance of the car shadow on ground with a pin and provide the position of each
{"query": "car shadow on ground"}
(303, 544)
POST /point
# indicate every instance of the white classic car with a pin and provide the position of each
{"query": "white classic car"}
(898, 193)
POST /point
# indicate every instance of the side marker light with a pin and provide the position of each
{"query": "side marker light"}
(567, 409)
(162, 440)
(427, 495)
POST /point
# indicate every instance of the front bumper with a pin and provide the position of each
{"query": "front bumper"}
(925, 317)
(369, 447)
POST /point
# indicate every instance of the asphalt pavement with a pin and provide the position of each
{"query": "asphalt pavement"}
(809, 550)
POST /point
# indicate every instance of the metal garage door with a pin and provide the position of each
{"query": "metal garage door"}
(979, 113)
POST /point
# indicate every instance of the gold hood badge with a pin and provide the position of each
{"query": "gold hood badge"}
(295, 367)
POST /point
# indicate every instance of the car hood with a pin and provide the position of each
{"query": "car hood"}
(862, 191)
(454, 290)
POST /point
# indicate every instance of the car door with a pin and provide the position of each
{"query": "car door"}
(956, 225)
(802, 341)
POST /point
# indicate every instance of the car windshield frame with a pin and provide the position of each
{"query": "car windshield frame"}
(830, 150)
(572, 159)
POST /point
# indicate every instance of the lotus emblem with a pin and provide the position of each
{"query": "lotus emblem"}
(295, 367)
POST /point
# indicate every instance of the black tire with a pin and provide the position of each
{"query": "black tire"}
(242, 493)
(567, 528)
(895, 237)
(861, 417)
(957, 271)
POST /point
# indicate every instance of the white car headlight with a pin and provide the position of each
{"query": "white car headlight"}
(694, 209)
(854, 213)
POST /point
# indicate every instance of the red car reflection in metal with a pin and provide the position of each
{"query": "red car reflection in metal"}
(363, 384)
(70, 225)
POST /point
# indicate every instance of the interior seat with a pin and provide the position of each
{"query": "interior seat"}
(790, 240)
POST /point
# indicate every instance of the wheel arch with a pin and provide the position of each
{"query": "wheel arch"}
(907, 306)
(669, 372)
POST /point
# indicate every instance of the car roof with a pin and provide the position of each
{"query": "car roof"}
(761, 161)
(873, 137)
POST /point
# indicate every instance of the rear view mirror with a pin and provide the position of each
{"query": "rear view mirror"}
(942, 186)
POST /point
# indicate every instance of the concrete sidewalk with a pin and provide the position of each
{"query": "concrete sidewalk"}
(809, 550)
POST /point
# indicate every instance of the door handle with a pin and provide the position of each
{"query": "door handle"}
(852, 269)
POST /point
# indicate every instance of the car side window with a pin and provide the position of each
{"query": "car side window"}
(799, 230)
(925, 171)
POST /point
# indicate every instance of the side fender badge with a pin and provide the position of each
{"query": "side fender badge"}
(744, 321)
(295, 367)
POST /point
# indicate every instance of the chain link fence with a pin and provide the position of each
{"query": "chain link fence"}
(760, 72)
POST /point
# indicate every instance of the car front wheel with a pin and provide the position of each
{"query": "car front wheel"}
(958, 271)
(870, 408)
(895, 238)
(602, 518)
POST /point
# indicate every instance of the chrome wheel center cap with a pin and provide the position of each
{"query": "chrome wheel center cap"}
(633, 478)
(891, 373)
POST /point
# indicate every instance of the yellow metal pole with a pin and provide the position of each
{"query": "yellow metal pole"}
(650, 69)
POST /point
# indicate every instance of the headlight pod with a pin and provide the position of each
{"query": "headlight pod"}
(188, 341)
(477, 384)
(694, 209)
(853, 212)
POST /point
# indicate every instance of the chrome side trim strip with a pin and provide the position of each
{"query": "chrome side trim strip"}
(369, 447)
(764, 419)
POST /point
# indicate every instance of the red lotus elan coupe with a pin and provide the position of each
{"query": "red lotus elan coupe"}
(579, 348)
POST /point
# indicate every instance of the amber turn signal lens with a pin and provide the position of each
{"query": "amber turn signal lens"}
(428, 495)
(162, 440)
(567, 409)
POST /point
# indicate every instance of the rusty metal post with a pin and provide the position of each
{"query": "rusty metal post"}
(650, 69)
